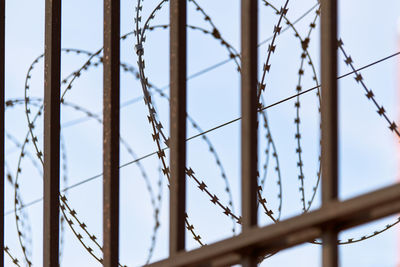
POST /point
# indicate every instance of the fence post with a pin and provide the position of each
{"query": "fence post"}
(249, 39)
(111, 106)
(52, 60)
(329, 110)
(177, 125)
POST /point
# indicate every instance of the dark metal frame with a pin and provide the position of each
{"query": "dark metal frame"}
(326, 222)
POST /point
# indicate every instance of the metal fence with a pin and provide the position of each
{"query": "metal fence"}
(246, 248)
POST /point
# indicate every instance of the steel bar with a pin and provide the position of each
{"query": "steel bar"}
(2, 122)
(329, 107)
(52, 60)
(249, 40)
(300, 229)
(249, 113)
(178, 70)
(111, 122)
(329, 113)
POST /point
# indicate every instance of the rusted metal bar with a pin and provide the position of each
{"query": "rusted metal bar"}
(329, 110)
(297, 230)
(52, 60)
(329, 107)
(249, 39)
(111, 121)
(249, 113)
(178, 52)
(2, 121)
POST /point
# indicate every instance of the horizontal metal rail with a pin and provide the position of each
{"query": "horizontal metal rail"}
(294, 231)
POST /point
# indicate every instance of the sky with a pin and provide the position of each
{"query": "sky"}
(368, 149)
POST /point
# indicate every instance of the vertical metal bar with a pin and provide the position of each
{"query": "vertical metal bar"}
(329, 123)
(249, 38)
(51, 132)
(2, 120)
(177, 125)
(111, 105)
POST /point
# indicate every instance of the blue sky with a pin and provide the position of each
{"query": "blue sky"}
(367, 148)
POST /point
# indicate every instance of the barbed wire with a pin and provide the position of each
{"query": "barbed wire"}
(201, 134)
(160, 137)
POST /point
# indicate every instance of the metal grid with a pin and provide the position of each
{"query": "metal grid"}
(332, 217)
